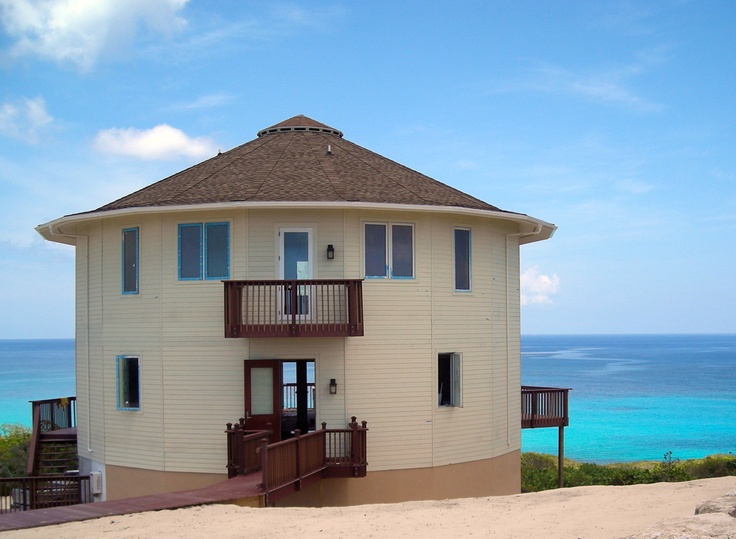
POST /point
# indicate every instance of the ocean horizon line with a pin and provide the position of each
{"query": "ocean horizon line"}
(636, 334)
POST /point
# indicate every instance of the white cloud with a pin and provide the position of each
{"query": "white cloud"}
(205, 102)
(537, 288)
(605, 87)
(609, 86)
(24, 119)
(80, 31)
(162, 142)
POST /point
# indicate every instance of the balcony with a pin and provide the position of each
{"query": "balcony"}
(294, 308)
(544, 407)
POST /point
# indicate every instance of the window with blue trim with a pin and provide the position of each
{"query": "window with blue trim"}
(130, 261)
(389, 251)
(462, 259)
(204, 251)
(128, 383)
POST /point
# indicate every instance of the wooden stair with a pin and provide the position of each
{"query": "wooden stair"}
(53, 447)
(56, 457)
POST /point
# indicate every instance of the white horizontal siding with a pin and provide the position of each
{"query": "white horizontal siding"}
(192, 377)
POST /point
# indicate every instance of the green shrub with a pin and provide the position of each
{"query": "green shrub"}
(539, 472)
(629, 475)
(670, 470)
(14, 443)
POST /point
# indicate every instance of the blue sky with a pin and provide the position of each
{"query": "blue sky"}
(614, 120)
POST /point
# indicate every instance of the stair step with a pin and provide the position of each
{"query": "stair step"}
(56, 457)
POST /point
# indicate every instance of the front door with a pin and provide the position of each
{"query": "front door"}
(295, 263)
(263, 396)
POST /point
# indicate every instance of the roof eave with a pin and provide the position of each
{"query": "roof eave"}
(531, 228)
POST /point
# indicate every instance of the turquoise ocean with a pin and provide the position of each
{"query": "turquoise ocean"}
(634, 397)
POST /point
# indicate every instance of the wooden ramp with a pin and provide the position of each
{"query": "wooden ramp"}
(239, 489)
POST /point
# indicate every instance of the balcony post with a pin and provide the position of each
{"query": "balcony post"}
(233, 309)
(561, 457)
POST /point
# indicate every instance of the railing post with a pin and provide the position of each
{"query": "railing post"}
(297, 436)
(263, 450)
(364, 443)
(354, 444)
(233, 309)
(293, 294)
(355, 300)
(229, 434)
(35, 435)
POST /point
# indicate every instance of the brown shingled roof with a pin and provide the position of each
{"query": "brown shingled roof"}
(298, 160)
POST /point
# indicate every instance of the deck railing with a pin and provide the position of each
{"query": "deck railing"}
(289, 395)
(290, 465)
(25, 493)
(55, 414)
(544, 407)
(243, 448)
(294, 308)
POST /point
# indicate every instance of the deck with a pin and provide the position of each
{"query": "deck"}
(544, 407)
(229, 491)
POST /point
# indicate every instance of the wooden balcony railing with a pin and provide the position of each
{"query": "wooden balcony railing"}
(289, 465)
(544, 407)
(294, 308)
(290, 398)
(25, 493)
(56, 414)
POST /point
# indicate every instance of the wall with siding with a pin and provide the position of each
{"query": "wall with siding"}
(192, 377)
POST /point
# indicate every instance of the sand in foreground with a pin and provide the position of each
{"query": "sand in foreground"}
(589, 512)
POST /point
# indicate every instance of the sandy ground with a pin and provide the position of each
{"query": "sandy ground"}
(583, 512)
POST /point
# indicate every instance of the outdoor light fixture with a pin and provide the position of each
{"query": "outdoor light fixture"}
(333, 386)
(330, 252)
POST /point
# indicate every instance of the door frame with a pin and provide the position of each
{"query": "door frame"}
(277, 384)
(310, 249)
(277, 414)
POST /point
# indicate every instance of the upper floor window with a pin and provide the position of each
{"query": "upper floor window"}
(130, 261)
(389, 251)
(204, 251)
(462, 259)
(128, 383)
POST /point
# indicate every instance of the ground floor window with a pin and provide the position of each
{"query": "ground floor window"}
(128, 383)
(450, 379)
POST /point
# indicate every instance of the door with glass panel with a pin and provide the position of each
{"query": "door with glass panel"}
(295, 263)
(263, 396)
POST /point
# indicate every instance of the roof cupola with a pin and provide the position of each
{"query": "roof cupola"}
(300, 123)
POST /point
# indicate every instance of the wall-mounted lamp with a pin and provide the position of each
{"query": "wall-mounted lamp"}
(330, 252)
(333, 386)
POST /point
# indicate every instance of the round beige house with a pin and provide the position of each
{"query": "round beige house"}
(295, 281)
